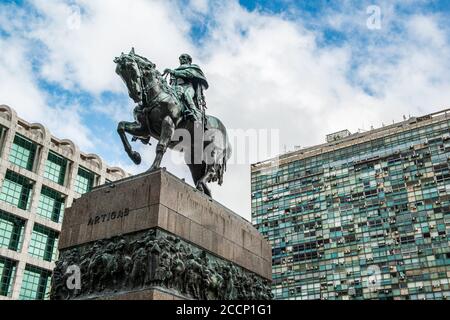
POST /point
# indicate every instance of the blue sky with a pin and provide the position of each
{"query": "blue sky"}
(304, 68)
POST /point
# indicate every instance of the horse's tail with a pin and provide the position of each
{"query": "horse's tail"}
(223, 149)
(223, 166)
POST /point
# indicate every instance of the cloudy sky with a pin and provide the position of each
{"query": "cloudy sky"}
(297, 67)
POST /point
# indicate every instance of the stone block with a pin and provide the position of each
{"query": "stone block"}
(160, 200)
(182, 226)
(196, 233)
(147, 294)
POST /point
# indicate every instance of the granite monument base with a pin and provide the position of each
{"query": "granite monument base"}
(156, 293)
(153, 236)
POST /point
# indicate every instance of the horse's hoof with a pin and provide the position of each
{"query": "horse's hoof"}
(136, 157)
(153, 168)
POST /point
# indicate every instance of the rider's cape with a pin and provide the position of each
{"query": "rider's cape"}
(199, 82)
(196, 75)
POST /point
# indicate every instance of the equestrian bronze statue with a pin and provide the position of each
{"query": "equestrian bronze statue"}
(174, 115)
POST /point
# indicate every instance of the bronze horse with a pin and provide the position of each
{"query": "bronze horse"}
(159, 114)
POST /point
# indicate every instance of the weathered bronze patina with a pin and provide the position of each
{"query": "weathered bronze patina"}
(154, 259)
(175, 116)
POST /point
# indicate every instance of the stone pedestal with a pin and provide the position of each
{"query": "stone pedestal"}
(153, 236)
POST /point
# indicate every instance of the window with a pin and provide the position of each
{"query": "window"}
(55, 168)
(23, 152)
(85, 181)
(7, 274)
(35, 284)
(11, 231)
(17, 190)
(378, 203)
(51, 204)
(43, 243)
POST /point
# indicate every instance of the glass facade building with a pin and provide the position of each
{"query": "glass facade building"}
(40, 175)
(365, 216)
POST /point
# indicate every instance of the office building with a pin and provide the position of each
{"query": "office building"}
(362, 216)
(40, 175)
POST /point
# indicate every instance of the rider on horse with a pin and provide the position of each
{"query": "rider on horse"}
(160, 111)
(189, 82)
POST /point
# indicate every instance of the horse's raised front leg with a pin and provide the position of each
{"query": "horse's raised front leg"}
(167, 131)
(134, 129)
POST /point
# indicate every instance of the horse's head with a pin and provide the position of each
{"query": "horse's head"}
(130, 67)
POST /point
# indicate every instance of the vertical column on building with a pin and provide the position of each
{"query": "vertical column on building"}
(40, 163)
(8, 142)
(102, 178)
(72, 176)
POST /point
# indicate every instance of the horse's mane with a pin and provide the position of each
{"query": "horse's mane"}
(150, 66)
(143, 61)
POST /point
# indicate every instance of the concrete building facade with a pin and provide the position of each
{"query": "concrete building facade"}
(363, 216)
(40, 175)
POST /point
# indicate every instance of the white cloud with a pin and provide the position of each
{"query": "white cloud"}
(265, 71)
(16, 85)
(268, 72)
(83, 56)
(200, 6)
(19, 90)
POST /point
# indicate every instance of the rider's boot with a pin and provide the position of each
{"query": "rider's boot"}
(192, 108)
